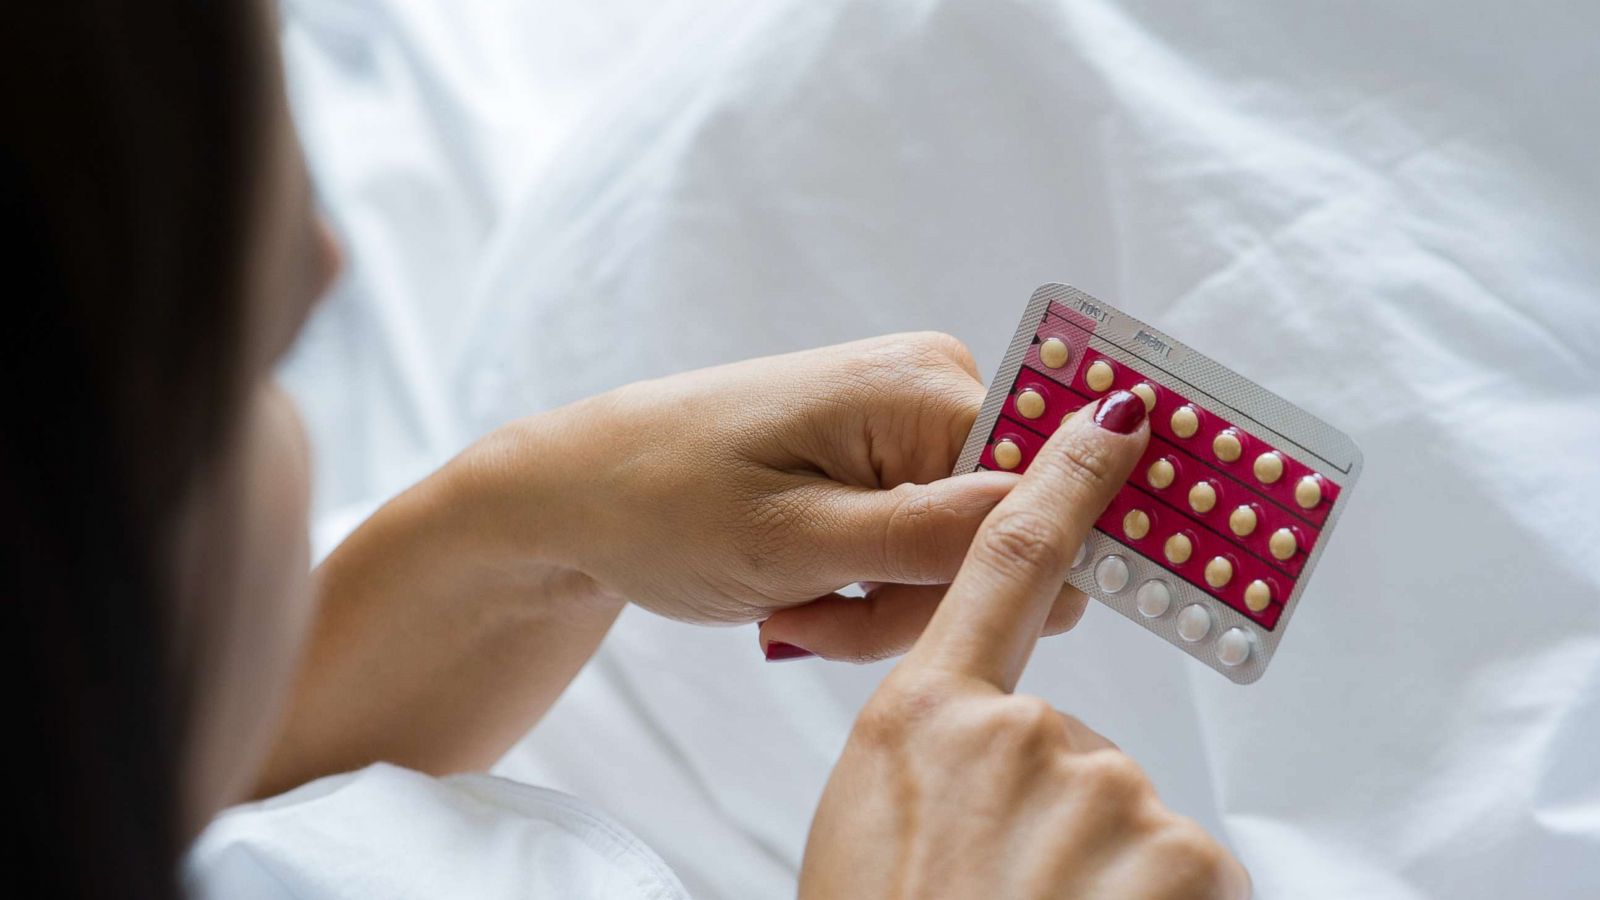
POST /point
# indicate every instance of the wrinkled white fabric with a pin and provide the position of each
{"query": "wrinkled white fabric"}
(392, 833)
(1387, 212)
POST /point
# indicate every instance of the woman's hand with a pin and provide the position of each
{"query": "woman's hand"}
(952, 786)
(727, 494)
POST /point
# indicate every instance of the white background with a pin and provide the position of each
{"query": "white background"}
(1387, 212)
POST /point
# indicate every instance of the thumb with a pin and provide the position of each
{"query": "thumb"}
(909, 534)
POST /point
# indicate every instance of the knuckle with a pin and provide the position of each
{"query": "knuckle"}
(899, 705)
(945, 346)
(1083, 462)
(914, 540)
(1110, 778)
(1023, 538)
(1030, 718)
(1195, 856)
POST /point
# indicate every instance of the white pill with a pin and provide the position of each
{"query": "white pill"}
(1202, 497)
(1081, 556)
(1111, 574)
(1227, 446)
(1242, 521)
(1185, 422)
(1146, 393)
(1161, 473)
(1233, 647)
(1269, 468)
(1054, 352)
(1194, 622)
(1030, 403)
(1136, 524)
(1154, 599)
(1007, 455)
(1099, 376)
(1308, 492)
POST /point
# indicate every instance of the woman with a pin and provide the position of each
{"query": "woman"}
(178, 657)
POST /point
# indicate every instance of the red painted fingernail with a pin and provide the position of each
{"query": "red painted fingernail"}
(778, 651)
(1120, 412)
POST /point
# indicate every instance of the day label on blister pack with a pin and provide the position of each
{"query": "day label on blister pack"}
(1211, 542)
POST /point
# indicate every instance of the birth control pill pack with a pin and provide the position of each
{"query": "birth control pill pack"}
(1211, 542)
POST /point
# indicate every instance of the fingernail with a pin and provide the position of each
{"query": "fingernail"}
(1120, 412)
(778, 651)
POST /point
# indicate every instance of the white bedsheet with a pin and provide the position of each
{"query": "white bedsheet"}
(1388, 212)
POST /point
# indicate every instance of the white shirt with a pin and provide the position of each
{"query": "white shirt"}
(393, 833)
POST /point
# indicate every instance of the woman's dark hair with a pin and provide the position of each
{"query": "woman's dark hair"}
(130, 144)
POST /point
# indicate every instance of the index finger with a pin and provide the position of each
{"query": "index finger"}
(992, 615)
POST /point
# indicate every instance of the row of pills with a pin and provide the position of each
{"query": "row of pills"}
(1154, 600)
(1202, 499)
(1227, 445)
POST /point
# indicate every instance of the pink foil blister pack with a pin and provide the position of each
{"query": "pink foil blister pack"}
(1213, 539)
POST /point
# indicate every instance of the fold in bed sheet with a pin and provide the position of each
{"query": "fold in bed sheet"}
(1384, 212)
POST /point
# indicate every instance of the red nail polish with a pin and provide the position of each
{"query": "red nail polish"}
(778, 651)
(1120, 412)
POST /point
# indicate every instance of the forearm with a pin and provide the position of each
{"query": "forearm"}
(440, 638)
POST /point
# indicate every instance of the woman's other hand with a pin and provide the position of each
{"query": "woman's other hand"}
(952, 786)
(727, 494)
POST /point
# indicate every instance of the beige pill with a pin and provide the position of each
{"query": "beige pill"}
(1185, 422)
(1030, 404)
(1136, 524)
(1146, 393)
(1282, 543)
(1308, 492)
(1161, 473)
(1099, 376)
(1257, 595)
(1219, 571)
(1007, 455)
(1269, 468)
(1202, 497)
(1226, 445)
(1178, 549)
(1054, 352)
(1242, 521)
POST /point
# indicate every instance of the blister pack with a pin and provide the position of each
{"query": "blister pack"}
(1212, 541)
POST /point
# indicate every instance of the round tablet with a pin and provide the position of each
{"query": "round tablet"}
(1283, 543)
(1185, 422)
(1136, 524)
(1161, 473)
(1233, 647)
(1226, 445)
(1219, 571)
(1082, 555)
(1308, 492)
(1111, 574)
(1154, 599)
(1054, 352)
(1202, 497)
(1178, 548)
(1099, 376)
(1269, 468)
(1007, 455)
(1257, 595)
(1194, 622)
(1242, 521)
(1146, 393)
(1030, 403)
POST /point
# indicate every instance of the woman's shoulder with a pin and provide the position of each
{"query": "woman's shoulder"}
(385, 831)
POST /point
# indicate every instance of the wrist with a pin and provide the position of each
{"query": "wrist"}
(518, 503)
